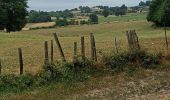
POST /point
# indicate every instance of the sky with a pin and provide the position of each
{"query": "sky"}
(55, 5)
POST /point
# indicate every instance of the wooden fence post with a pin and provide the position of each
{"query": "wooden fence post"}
(0, 66)
(92, 48)
(20, 60)
(166, 39)
(75, 50)
(52, 52)
(82, 48)
(46, 60)
(116, 45)
(59, 46)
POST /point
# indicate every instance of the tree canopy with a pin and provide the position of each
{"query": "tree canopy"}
(93, 19)
(121, 10)
(13, 14)
(38, 16)
(106, 13)
(159, 12)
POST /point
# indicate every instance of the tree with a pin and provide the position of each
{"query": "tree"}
(121, 10)
(93, 18)
(106, 13)
(13, 14)
(148, 3)
(62, 22)
(159, 12)
(142, 3)
(38, 17)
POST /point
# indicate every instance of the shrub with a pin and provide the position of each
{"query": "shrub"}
(62, 22)
(15, 83)
(138, 57)
(93, 19)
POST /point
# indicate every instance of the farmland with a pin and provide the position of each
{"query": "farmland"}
(32, 44)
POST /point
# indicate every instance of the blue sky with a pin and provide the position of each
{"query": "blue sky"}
(53, 5)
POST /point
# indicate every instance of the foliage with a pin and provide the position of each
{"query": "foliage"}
(13, 14)
(85, 9)
(15, 83)
(82, 22)
(147, 3)
(159, 12)
(121, 10)
(106, 13)
(77, 71)
(139, 58)
(93, 19)
(38, 17)
(62, 22)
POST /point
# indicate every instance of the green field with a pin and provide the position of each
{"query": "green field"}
(125, 18)
(32, 44)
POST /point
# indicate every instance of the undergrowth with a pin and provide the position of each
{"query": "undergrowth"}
(64, 72)
(130, 59)
(77, 71)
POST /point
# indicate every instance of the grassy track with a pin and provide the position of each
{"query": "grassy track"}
(32, 42)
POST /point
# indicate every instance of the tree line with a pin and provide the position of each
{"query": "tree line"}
(14, 14)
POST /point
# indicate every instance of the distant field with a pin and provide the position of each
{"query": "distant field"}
(39, 25)
(32, 42)
(128, 17)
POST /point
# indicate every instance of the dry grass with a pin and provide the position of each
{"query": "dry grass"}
(32, 42)
(39, 25)
(142, 84)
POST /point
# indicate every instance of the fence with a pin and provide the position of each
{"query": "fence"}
(31, 59)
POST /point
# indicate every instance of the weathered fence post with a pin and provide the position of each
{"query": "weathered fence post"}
(116, 45)
(52, 52)
(95, 52)
(46, 60)
(20, 60)
(75, 50)
(166, 39)
(82, 48)
(93, 47)
(0, 66)
(59, 46)
(133, 40)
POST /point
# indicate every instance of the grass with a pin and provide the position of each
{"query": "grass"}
(120, 86)
(39, 25)
(109, 86)
(125, 18)
(32, 42)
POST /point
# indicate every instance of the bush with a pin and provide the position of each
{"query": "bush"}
(62, 22)
(16, 83)
(77, 71)
(138, 58)
(93, 19)
(82, 22)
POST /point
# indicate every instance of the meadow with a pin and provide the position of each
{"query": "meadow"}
(102, 85)
(32, 42)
